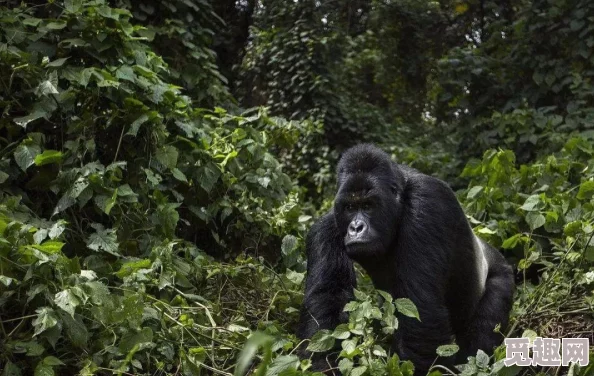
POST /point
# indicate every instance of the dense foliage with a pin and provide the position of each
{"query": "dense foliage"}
(152, 216)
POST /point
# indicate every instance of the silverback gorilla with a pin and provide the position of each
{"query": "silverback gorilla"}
(409, 233)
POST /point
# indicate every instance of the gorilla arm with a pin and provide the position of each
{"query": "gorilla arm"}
(330, 280)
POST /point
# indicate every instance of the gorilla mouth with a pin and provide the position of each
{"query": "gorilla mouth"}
(357, 246)
(356, 242)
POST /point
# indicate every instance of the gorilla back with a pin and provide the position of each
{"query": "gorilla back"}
(408, 231)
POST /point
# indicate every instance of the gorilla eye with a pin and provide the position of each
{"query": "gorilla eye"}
(366, 206)
(350, 206)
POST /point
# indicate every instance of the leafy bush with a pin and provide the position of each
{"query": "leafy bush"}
(525, 84)
(106, 168)
(541, 214)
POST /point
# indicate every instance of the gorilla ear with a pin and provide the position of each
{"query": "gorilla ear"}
(394, 189)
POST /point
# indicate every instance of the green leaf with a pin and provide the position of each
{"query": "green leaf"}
(474, 191)
(67, 301)
(98, 293)
(58, 25)
(30, 348)
(282, 363)
(144, 71)
(179, 175)
(229, 157)
(153, 178)
(126, 194)
(589, 254)
(486, 230)
(358, 371)
(393, 366)
(52, 361)
(407, 308)
(50, 247)
(345, 366)
(576, 25)
(379, 351)
(57, 229)
(531, 203)
(535, 220)
(11, 369)
(482, 359)
(24, 155)
(167, 156)
(73, 6)
(208, 176)
(45, 88)
(76, 330)
(106, 203)
(125, 72)
(46, 319)
(47, 157)
(167, 218)
(304, 218)
(103, 240)
(6, 281)
(135, 126)
(58, 62)
(530, 334)
(447, 350)
(64, 203)
(130, 340)
(511, 242)
(586, 190)
(247, 354)
(360, 295)
(31, 21)
(130, 267)
(264, 181)
(349, 348)
(387, 297)
(24, 120)
(3, 177)
(295, 277)
(351, 306)
(43, 370)
(40, 236)
(321, 341)
(342, 332)
(288, 245)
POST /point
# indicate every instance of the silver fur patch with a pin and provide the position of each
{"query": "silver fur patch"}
(482, 266)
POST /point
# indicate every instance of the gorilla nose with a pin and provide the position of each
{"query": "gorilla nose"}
(356, 227)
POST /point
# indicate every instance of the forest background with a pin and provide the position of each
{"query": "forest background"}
(161, 162)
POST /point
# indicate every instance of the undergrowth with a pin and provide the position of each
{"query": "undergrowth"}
(143, 231)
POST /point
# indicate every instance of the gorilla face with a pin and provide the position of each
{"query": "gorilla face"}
(366, 211)
(368, 203)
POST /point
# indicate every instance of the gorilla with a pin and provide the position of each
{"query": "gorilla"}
(410, 234)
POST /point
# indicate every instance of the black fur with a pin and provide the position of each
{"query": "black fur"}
(408, 231)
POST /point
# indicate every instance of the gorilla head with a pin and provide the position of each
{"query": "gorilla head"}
(368, 203)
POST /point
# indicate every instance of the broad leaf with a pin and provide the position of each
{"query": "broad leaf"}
(321, 341)
(24, 155)
(47, 157)
(407, 308)
(103, 240)
(46, 319)
(447, 350)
